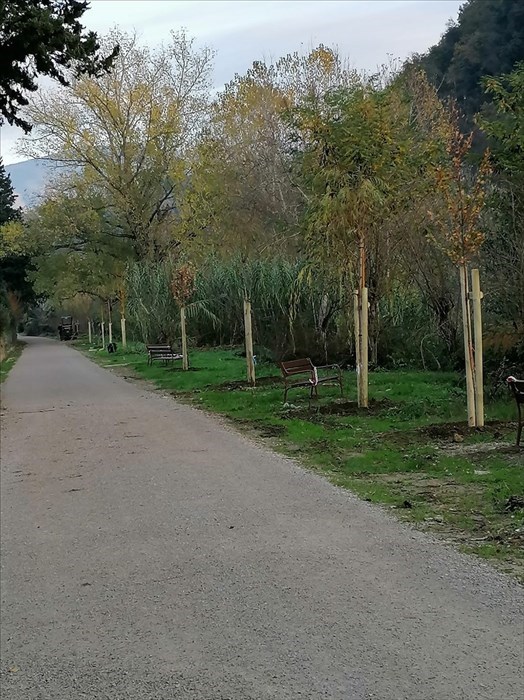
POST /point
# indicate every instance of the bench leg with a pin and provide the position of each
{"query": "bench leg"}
(285, 393)
(519, 429)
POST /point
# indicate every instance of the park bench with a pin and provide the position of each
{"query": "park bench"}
(516, 387)
(303, 373)
(164, 353)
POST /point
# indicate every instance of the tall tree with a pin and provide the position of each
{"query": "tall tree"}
(352, 153)
(43, 37)
(8, 211)
(125, 135)
(15, 290)
(241, 177)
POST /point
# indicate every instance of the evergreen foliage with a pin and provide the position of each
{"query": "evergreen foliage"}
(43, 37)
(486, 40)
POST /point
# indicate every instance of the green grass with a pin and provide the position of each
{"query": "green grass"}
(400, 453)
(8, 362)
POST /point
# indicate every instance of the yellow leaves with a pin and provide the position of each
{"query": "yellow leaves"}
(183, 283)
(324, 56)
(12, 239)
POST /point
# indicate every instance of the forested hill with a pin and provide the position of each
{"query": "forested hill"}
(487, 39)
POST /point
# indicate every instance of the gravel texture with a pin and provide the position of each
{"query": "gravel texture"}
(150, 553)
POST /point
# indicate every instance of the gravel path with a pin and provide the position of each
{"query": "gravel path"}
(150, 553)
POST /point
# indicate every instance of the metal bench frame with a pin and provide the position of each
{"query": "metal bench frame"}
(162, 352)
(516, 386)
(304, 367)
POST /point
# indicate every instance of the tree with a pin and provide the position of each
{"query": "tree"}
(124, 135)
(73, 243)
(15, 290)
(241, 190)
(352, 155)
(458, 231)
(504, 248)
(8, 211)
(44, 37)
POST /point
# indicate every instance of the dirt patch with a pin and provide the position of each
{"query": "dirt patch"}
(452, 435)
(259, 428)
(177, 369)
(338, 407)
(444, 431)
(243, 384)
(513, 453)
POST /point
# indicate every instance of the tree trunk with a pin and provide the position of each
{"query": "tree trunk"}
(250, 361)
(468, 345)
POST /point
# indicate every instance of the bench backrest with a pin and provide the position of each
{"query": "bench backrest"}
(517, 388)
(158, 349)
(292, 367)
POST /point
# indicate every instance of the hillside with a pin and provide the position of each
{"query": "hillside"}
(29, 178)
(487, 39)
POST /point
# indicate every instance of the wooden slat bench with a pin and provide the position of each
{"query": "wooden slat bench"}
(299, 373)
(164, 353)
(516, 387)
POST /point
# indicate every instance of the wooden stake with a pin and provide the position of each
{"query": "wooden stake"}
(123, 329)
(185, 358)
(364, 347)
(249, 343)
(356, 322)
(476, 296)
(468, 350)
(89, 332)
(109, 321)
(102, 327)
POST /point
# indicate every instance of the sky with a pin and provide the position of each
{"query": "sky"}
(368, 32)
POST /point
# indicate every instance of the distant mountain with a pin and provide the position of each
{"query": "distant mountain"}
(29, 179)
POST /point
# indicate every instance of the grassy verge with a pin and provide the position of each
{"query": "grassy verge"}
(410, 451)
(13, 353)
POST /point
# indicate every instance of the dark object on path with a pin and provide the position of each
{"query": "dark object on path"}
(301, 368)
(407, 504)
(516, 387)
(111, 348)
(162, 352)
(67, 330)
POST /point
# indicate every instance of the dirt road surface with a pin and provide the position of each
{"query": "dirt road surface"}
(151, 553)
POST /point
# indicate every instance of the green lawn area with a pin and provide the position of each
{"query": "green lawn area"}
(8, 362)
(411, 450)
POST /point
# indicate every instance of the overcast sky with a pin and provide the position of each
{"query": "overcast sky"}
(243, 31)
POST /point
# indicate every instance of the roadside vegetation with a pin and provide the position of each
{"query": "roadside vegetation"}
(411, 450)
(8, 358)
